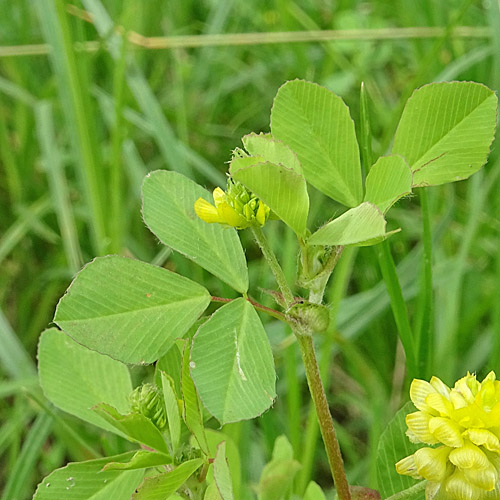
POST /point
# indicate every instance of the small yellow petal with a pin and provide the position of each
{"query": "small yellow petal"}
(440, 387)
(485, 479)
(408, 467)
(418, 427)
(458, 488)
(219, 196)
(419, 390)
(431, 463)
(440, 404)
(262, 213)
(483, 437)
(491, 376)
(467, 387)
(206, 211)
(433, 491)
(457, 400)
(486, 397)
(446, 431)
(230, 216)
(469, 456)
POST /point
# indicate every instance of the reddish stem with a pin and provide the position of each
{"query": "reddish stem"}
(260, 307)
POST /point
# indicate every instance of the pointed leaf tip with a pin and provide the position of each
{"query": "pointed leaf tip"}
(362, 225)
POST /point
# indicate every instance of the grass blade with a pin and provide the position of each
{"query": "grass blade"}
(175, 154)
(25, 222)
(53, 164)
(398, 305)
(29, 456)
(424, 334)
(14, 359)
(56, 30)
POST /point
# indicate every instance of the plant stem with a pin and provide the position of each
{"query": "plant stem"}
(324, 416)
(259, 307)
(311, 365)
(337, 290)
(273, 264)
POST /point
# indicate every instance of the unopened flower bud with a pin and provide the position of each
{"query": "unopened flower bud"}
(147, 400)
(315, 317)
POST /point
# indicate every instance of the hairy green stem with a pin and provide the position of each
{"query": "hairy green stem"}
(324, 416)
(311, 432)
(312, 369)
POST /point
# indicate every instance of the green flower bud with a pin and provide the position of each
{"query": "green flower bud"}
(314, 317)
(186, 452)
(147, 400)
(236, 207)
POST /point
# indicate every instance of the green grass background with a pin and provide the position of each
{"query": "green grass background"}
(79, 130)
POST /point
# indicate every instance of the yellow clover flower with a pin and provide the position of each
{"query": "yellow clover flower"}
(236, 207)
(464, 425)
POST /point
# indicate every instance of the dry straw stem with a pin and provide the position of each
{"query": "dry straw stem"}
(232, 39)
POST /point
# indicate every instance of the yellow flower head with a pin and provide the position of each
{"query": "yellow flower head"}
(236, 207)
(463, 427)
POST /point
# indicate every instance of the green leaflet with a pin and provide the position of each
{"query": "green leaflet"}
(314, 492)
(171, 363)
(168, 210)
(393, 446)
(272, 150)
(389, 179)
(214, 438)
(128, 309)
(316, 125)
(277, 476)
(281, 188)
(75, 378)
(142, 459)
(363, 225)
(446, 131)
(232, 364)
(161, 486)
(192, 409)
(222, 476)
(212, 493)
(172, 409)
(84, 480)
(134, 426)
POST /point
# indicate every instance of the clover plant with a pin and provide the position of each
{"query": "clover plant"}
(119, 311)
